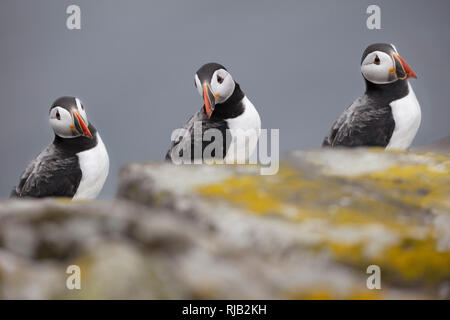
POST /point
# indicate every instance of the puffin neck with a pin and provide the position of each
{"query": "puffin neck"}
(387, 92)
(232, 107)
(78, 144)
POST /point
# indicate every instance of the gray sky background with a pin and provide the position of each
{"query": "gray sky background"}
(133, 65)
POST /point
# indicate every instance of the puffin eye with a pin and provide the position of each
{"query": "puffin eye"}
(58, 116)
(377, 60)
(219, 79)
(82, 107)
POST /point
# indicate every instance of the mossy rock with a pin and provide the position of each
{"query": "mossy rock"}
(362, 206)
(226, 232)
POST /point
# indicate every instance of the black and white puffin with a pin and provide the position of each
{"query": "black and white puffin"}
(75, 165)
(388, 113)
(227, 109)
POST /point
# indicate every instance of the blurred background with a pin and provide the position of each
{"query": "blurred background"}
(133, 64)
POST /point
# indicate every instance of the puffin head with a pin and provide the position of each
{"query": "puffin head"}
(68, 118)
(381, 64)
(214, 84)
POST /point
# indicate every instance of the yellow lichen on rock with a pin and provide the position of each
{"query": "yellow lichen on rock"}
(423, 186)
(327, 294)
(416, 261)
(381, 217)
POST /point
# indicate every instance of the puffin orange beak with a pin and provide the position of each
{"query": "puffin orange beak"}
(210, 101)
(403, 70)
(82, 124)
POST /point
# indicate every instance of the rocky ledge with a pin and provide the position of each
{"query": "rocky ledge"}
(224, 231)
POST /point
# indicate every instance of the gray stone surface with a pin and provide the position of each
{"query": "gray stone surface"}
(225, 232)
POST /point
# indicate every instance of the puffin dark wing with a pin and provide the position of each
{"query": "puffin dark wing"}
(328, 141)
(187, 139)
(52, 174)
(362, 125)
(183, 135)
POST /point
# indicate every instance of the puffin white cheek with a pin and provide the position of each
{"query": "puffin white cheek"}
(62, 128)
(224, 90)
(62, 123)
(198, 85)
(378, 74)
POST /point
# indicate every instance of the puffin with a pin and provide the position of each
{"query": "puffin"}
(75, 165)
(227, 111)
(388, 114)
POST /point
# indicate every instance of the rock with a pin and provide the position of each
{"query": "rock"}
(322, 220)
(226, 232)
